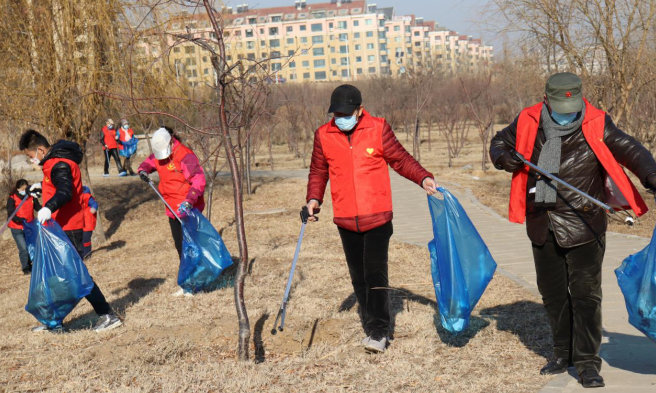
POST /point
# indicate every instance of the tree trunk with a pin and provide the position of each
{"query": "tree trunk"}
(271, 148)
(430, 129)
(416, 144)
(249, 189)
(99, 236)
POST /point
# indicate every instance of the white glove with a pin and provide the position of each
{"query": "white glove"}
(35, 186)
(44, 215)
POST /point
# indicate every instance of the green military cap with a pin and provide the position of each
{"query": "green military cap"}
(564, 92)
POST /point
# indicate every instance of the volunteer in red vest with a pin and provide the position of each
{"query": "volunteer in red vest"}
(353, 151)
(125, 134)
(109, 138)
(25, 213)
(62, 202)
(579, 143)
(90, 219)
(181, 180)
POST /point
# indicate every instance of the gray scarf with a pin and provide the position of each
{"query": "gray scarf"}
(549, 159)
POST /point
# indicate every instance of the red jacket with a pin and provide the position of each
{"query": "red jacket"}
(70, 216)
(122, 136)
(109, 138)
(90, 219)
(593, 131)
(26, 211)
(356, 166)
(181, 177)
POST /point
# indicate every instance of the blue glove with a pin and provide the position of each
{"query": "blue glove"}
(184, 209)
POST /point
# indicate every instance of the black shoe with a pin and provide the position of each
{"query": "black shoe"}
(556, 366)
(27, 271)
(590, 378)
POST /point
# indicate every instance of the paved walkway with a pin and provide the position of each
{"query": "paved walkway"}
(629, 357)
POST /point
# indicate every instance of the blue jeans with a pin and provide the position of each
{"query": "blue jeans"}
(23, 255)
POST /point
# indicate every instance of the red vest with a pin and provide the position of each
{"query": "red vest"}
(109, 138)
(359, 176)
(70, 216)
(121, 136)
(26, 211)
(173, 185)
(89, 218)
(593, 130)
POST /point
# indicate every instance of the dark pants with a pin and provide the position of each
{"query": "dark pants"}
(23, 255)
(366, 257)
(86, 243)
(569, 280)
(176, 231)
(109, 154)
(127, 165)
(96, 297)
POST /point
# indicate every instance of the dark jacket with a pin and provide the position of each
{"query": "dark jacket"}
(62, 177)
(575, 220)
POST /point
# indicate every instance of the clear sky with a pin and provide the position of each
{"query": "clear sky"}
(458, 15)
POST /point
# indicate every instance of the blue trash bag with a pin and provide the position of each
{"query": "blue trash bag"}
(204, 255)
(129, 148)
(59, 277)
(461, 263)
(637, 280)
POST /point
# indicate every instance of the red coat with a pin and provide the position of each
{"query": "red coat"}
(122, 136)
(70, 216)
(109, 138)
(357, 167)
(593, 130)
(26, 211)
(90, 219)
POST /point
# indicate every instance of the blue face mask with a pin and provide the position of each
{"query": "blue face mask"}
(563, 118)
(346, 123)
(125, 127)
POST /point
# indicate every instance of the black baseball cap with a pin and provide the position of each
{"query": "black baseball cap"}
(345, 99)
(565, 93)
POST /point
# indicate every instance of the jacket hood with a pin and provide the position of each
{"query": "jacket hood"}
(64, 149)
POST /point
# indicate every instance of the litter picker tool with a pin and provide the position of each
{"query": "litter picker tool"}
(305, 215)
(164, 200)
(612, 213)
(4, 227)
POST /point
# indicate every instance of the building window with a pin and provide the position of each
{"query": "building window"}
(343, 37)
(261, 31)
(262, 43)
(332, 49)
(397, 28)
(304, 51)
(273, 31)
(369, 22)
(249, 33)
(275, 55)
(194, 73)
(292, 77)
(356, 23)
(370, 46)
(330, 25)
(397, 39)
(290, 29)
(250, 45)
(303, 28)
(276, 67)
(371, 58)
(303, 40)
(206, 71)
(320, 75)
(274, 43)
(358, 71)
(356, 35)
(176, 49)
(333, 61)
(358, 59)
(358, 47)
(372, 70)
(306, 63)
(290, 41)
(341, 25)
(334, 73)
(344, 61)
(190, 49)
(251, 56)
(290, 53)
(264, 55)
(345, 73)
(370, 34)
(382, 46)
(204, 59)
(306, 75)
(191, 61)
(276, 19)
(319, 63)
(318, 52)
(292, 64)
(252, 21)
(317, 39)
(316, 27)
(416, 34)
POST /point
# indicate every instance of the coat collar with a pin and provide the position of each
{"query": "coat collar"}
(366, 121)
(591, 113)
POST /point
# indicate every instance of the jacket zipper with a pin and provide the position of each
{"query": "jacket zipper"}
(357, 211)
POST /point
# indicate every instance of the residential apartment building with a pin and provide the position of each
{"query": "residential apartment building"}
(337, 41)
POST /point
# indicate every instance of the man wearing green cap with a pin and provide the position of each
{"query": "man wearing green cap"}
(567, 136)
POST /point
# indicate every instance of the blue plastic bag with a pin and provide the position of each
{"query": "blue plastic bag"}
(461, 263)
(204, 255)
(637, 280)
(59, 277)
(129, 147)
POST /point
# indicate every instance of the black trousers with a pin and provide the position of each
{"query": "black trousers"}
(127, 165)
(176, 231)
(96, 297)
(109, 154)
(366, 257)
(569, 280)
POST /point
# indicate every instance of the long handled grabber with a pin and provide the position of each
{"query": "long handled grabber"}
(164, 200)
(305, 215)
(4, 227)
(612, 213)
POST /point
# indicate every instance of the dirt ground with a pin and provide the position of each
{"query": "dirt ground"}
(188, 344)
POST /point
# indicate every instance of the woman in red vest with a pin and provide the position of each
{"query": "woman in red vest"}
(25, 213)
(353, 151)
(125, 134)
(181, 180)
(567, 136)
(108, 138)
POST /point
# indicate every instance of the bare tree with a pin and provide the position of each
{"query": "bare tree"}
(477, 91)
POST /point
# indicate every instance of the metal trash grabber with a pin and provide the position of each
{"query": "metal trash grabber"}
(6, 224)
(608, 209)
(305, 215)
(164, 200)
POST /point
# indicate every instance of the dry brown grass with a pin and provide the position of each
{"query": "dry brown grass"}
(172, 344)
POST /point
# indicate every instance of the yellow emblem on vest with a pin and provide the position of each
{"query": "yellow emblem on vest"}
(47, 179)
(171, 166)
(370, 152)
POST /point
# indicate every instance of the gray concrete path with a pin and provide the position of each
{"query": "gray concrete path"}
(629, 357)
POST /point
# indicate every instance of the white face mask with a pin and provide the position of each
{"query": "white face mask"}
(35, 161)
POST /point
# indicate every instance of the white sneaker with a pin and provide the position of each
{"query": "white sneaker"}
(181, 292)
(376, 346)
(365, 341)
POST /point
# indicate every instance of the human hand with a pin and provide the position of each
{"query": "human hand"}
(44, 215)
(144, 176)
(35, 190)
(430, 186)
(313, 208)
(93, 210)
(508, 163)
(184, 209)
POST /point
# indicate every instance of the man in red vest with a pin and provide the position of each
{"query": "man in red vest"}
(580, 144)
(62, 202)
(109, 140)
(353, 151)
